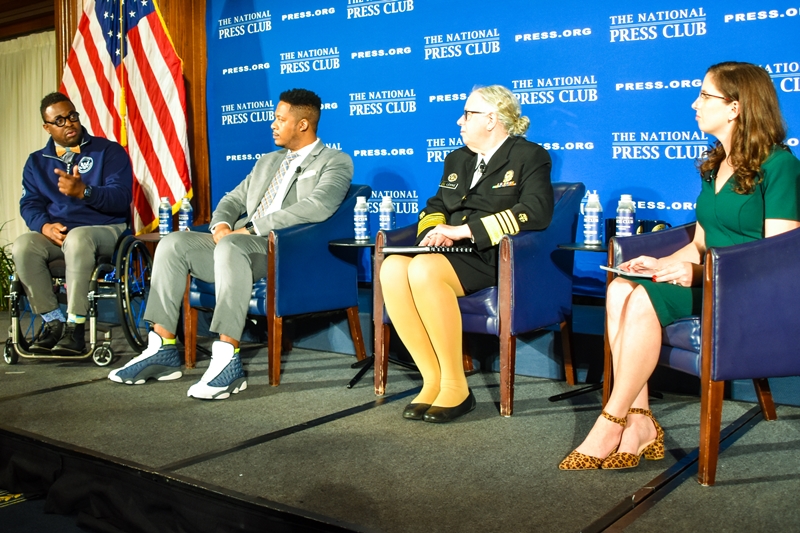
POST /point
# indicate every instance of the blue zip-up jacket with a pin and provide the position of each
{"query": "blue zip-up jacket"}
(104, 165)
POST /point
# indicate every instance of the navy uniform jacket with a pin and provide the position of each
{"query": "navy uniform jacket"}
(514, 194)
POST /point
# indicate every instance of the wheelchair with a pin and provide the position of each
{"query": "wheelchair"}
(124, 277)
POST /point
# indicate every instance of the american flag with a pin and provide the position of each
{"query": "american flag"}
(125, 78)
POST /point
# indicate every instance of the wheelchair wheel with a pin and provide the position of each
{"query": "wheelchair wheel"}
(134, 267)
(102, 356)
(10, 355)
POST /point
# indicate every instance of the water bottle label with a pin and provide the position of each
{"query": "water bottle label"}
(386, 221)
(164, 221)
(360, 221)
(591, 228)
(184, 221)
(625, 225)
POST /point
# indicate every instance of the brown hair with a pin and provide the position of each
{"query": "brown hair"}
(758, 127)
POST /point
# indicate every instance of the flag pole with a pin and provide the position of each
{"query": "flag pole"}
(123, 110)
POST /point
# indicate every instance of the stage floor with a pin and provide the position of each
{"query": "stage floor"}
(344, 459)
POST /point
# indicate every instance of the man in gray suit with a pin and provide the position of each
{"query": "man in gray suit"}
(304, 182)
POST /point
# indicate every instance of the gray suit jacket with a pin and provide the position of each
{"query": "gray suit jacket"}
(313, 195)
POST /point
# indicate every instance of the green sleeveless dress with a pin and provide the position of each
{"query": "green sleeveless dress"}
(729, 218)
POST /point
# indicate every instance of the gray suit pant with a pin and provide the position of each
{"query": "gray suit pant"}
(32, 252)
(232, 265)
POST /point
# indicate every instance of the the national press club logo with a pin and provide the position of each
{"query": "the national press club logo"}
(378, 102)
(438, 148)
(247, 112)
(315, 59)
(405, 201)
(247, 23)
(653, 145)
(463, 43)
(651, 25)
(564, 89)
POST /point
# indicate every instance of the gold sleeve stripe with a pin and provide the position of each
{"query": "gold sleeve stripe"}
(500, 224)
(510, 221)
(428, 221)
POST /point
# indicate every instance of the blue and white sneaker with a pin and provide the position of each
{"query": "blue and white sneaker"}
(225, 375)
(158, 362)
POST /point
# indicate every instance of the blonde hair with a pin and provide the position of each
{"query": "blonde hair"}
(508, 109)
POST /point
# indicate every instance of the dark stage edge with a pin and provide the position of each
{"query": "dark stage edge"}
(311, 455)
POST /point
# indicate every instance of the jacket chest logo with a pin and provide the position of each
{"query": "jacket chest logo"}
(85, 165)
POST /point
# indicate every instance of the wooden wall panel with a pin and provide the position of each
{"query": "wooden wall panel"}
(185, 20)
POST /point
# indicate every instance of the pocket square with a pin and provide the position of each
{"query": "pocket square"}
(307, 174)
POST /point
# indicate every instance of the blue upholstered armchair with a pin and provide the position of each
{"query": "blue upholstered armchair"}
(304, 275)
(747, 330)
(534, 291)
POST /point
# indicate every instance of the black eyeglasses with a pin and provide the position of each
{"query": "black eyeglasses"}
(468, 113)
(61, 121)
(705, 96)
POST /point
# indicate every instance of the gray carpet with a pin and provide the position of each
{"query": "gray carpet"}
(370, 468)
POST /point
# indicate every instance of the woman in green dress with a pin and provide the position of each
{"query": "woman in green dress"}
(750, 190)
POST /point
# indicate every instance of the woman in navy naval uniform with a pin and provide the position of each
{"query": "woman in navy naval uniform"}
(497, 184)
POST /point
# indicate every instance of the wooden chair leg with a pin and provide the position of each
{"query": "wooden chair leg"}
(468, 366)
(381, 364)
(355, 332)
(569, 369)
(508, 359)
(764, 395)
(274, 322)
(710, 420)
(274, 347)
(189, 328)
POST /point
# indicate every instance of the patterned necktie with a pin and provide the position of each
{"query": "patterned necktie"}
(274, 185)
(482, 167)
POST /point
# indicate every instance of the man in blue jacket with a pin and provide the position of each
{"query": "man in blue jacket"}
(76, 196)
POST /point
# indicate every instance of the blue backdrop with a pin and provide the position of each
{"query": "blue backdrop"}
(608, 89)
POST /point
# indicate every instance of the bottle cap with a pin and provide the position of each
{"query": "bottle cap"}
(626, 198)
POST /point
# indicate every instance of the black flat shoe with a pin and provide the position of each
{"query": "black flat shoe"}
(415, 411)
(439, 415)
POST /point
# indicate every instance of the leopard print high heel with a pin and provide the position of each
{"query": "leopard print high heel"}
(653, 450)
(579, 461)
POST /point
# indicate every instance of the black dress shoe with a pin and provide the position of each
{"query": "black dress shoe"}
(49, 337)
(415, 411)
(439, 415)
(73, 341)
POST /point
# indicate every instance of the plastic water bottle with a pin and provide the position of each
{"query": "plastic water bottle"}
(386, 213)
(361, 218)
(593, 220)
(164, 217)
(626, 216)
(185, 215)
